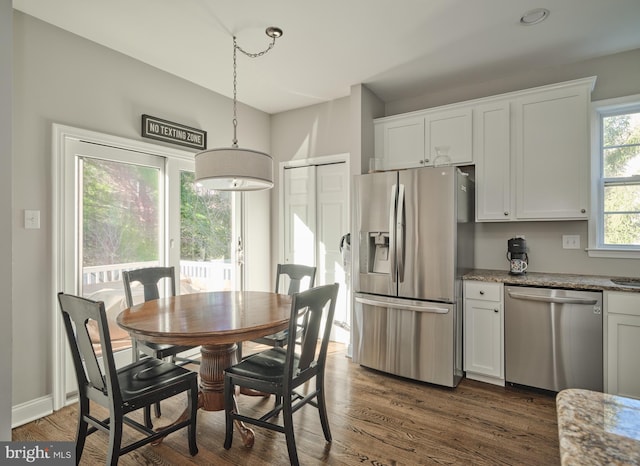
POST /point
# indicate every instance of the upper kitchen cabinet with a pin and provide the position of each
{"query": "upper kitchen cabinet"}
(491, 148)
(439, 136)
(448, 137)
(399, 142)
(551, 136)
(532, 154)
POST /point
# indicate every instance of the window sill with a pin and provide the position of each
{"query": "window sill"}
(614, 253)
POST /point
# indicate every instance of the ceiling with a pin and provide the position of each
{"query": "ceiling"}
(398, 49)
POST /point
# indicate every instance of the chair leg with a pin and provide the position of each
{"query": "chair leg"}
(115, 439)
(81, 433)
(157, 409)
(147, 417)
(322, 408)
(192, 406)
(134, 350)
(229, 407)
(287, 415)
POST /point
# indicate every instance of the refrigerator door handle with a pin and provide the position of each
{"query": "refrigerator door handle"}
(400, 233)
(408, 307)
(392, 231)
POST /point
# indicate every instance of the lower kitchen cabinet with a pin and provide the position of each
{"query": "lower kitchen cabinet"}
(484, 331)
(622, 347)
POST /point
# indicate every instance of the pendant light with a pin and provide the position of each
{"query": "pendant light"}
(233, 168)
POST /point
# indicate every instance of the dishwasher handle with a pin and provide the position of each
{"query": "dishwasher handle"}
(408, 307)
(551, 299)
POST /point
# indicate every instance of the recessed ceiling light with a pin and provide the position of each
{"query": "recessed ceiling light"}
(534, 16)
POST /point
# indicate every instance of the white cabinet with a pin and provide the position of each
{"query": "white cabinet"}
(449, 129)
(531, 149)
(484, 331)
(410, 140)
(491, 149)
(532, 154)
(399, 142)
(552, 152)
(622, 343)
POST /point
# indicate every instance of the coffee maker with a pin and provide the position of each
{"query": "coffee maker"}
(517, 256)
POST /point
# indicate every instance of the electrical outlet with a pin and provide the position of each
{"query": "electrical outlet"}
(571, 241)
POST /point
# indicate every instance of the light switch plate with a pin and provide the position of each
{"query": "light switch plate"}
(32, 219)
(571, 241)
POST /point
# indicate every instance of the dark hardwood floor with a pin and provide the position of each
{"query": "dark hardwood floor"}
(375, 419)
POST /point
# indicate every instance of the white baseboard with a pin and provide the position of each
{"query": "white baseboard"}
(31, 410)
(485, 378)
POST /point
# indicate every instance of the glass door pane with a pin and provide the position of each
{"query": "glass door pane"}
(207, 232)
(120, 228)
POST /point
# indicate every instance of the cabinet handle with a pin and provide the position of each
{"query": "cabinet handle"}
(583, 211)
(506, 213)
(426, 160)
(481, 292)
(421, 162)
(496, 311)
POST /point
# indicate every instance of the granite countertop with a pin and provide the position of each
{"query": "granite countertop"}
(554, 280)
(596, 428)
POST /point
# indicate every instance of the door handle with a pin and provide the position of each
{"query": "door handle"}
(552, 299)
(392, 230)
(400, 233)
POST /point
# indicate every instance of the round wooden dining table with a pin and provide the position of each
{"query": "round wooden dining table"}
(216, 321)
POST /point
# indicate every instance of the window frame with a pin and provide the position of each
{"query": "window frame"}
(600, 109)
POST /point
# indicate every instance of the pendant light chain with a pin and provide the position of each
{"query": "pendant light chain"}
(236, 47)
(234, 142)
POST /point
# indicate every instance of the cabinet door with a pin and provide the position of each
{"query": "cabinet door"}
(402, 142)
(623, 348)
(493, 168)
(483, 337)
(451, 129)
(552, 154)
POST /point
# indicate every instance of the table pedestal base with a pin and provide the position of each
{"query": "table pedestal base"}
(215, 359)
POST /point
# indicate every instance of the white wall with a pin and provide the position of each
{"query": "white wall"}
(62, 78)
(618, 75)
(6, 80)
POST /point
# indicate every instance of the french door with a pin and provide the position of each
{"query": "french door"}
(127, 207)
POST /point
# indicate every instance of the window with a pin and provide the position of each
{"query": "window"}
(615, 229)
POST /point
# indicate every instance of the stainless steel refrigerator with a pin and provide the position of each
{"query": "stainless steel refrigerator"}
(414, 242)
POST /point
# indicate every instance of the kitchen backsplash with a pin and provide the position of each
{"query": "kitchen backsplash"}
(544, 241)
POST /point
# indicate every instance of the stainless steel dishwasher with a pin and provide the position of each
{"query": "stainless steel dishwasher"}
(553, 338)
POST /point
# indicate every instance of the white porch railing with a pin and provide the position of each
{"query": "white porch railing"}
(194, 275)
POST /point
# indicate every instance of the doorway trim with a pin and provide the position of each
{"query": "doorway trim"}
(61, 137)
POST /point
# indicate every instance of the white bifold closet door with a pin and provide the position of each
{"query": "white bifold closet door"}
(316, 200)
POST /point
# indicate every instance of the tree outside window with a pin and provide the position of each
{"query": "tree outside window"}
(620, 155)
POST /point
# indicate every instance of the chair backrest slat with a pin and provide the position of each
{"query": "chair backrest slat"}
(149, 278)
(296, 274)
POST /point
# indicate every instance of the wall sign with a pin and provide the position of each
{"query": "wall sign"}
(175, 133)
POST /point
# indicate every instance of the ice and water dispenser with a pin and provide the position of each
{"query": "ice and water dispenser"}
(379, 260)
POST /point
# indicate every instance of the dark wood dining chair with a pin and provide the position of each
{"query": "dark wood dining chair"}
(150, 279)
(122, 391)
(296, 273)
(281, 371)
